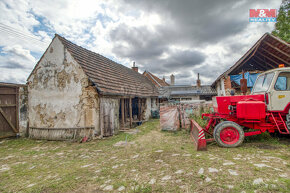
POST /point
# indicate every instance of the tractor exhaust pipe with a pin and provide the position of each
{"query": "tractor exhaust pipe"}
(243, 83)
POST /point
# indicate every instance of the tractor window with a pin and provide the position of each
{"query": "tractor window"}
(263, 82)
(283, 81)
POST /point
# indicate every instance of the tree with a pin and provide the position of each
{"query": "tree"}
(282, 25)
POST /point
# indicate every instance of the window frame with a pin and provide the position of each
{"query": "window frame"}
(269, 86)
(286, 82)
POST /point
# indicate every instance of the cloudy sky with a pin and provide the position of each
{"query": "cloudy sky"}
(182, 37)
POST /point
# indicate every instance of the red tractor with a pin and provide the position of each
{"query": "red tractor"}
(236, 117)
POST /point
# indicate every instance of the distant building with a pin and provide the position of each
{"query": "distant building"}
(154, 79)
(187, 92)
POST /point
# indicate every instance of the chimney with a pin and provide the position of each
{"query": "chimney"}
(134, 67)
(172, 79)
(198, 83)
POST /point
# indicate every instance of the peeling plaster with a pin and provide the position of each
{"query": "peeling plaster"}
(60, 95)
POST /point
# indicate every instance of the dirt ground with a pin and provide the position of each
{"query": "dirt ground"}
(143, 160)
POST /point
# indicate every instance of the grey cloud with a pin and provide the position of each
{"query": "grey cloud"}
(194, 22)
(178, 60)
(142, 44)
(185, 24)
(10, 64)
(181, 59)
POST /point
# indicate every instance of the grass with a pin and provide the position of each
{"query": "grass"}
(152, 161)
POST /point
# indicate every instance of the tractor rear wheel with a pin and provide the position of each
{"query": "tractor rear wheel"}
(228, 134)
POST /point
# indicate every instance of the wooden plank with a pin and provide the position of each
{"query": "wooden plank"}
(126, 110)
(101, 118)
(7, 93)
(263, 61)
(123, 111)
(275, 62)
(258, 65)
(281, 59)
(8, 121)
(7, 105)
(6, 136)
(17, 109)
(261, 67)
(130, 111)
(139, 109)
(277, 49)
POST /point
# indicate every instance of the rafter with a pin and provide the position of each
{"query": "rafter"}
(277, 49)
(281, 59)
(263, 61)
(261, 67)
(275, 62)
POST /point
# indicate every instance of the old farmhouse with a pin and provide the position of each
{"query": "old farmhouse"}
(74, 92)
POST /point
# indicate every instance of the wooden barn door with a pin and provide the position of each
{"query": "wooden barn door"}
(108, 115)
(8, 111)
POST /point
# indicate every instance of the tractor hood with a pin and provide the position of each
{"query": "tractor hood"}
(221, 103)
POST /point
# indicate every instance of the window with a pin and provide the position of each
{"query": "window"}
(263, 82)
(283, 82)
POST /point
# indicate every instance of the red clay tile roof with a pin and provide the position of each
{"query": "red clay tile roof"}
(110, 77)
(155, 80)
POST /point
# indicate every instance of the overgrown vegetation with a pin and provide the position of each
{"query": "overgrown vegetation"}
(150, 161)
(282, 25)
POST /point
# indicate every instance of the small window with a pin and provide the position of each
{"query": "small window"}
(283, 82)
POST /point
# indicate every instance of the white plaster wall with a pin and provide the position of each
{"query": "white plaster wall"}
(154, 104)
(218, 88)
(223, 90)
(23, 110)
(148, 109)
(58, 92)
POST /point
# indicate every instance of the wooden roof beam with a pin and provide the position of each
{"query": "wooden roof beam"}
(261, 67)
(275, 62)
(262, 61)
(277, 49)
(281, 59)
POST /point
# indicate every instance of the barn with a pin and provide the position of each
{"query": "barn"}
(74, 92)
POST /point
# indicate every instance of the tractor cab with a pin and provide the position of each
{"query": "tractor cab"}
(275, 85)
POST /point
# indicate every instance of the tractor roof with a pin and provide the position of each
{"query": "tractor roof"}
(286, 69)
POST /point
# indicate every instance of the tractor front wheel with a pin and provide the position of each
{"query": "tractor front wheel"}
(228, 134)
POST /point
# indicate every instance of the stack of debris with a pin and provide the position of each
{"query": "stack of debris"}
(175, 116)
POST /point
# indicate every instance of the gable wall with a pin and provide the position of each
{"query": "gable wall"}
(59, 94)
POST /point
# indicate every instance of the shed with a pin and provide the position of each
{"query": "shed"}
(74, 92)
(266, 54)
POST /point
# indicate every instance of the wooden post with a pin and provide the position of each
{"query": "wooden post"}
(123, 112)
(139, 109)
(17, 108)
(130, 111)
